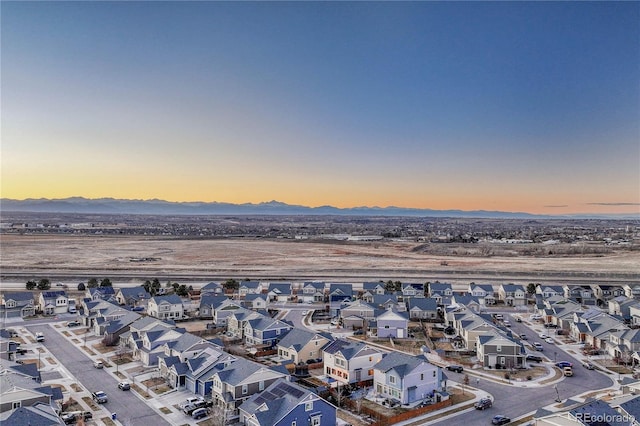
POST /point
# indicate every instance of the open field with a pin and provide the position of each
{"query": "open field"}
(133, 257)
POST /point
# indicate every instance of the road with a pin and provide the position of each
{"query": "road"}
(127, 406)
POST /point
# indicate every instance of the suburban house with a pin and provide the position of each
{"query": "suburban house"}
(467, 301)
(223, 310)
(339, 293)
(312, 291)
(548, 291)
(166, 307)
(300, 345)
(357, 314)
(53, 302)
(284, 404)
(623, 344)
(148, 348)
(192, 373)
(101, 293)
(440, 291)
(560, 312)
(373, 288)
(255, 301)
(208, 302)
(605, 292)
(634, 312)
(594, 327)
(21, 390)
(484, 293)
(632, 291)
(249, 287)
(392, 323)
(18, 304)
(512, 294)
(423, 308)
(238, 380)
(133, 296)
(620, 306)
(407, 378)
(349, 362)
(412, 290)
(499, 349)
(279, 292)
(114, 328)
(388, 301)
(237, 321)
(265, 331)
(212, 288)
(579, 293)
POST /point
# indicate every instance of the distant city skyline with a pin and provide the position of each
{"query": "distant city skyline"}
(504, 106)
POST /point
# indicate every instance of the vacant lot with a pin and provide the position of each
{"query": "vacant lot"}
(120, 257)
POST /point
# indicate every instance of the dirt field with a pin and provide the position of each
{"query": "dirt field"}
(49, 255)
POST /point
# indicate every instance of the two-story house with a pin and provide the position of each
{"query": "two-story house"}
(548, 291)
(223, 310)
(392, 323)
(53, 302)
(423, 308)
(512, 294)
(606, 292)
(101, 293)
(301, 345)
(440, 291)
(406, 378)
(249, 287)
(237, 321)
(412, 290)
(212, 288)
(339, 293)
(265, 331)
(133, 296)
(623, 344)
(356, 314)
(498, 349)
(238, 380)
(166, 307)
(484, 292)
(284, 404)
(579, 293)
(312, 291)
(255, 301)
(279, 292)
(350, 362)
(632, 291)
(19, 304)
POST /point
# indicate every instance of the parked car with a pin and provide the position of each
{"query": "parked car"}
(125, 386)
(563, 364)
(200, 413)
(538, 346)
(549, 340)
(483, 403)
(543, 336)
(137, 308)
(523, 337)
(100, 397)
(588, 365)
(73, 324)
(518, 319)
(506, 323)
(456, 368)
(534, 358)
(189, 409)
(39, 337)
(500, 420)
(98, 364)
(191, 400)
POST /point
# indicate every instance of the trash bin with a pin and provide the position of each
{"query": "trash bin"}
(113, 416)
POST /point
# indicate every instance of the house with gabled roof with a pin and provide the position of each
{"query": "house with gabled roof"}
(594, 328)
(349, 362)
(239, 318)
(388, 301)
(166, 307)
(500, 349)
(548, 291)
(255, 301)
(249, 287)
(18, 304)
(20, 387)
(374, 288)
(200, 369)
(284, 404)
(300, 345)
(101, 293)
(38, 414)
(392, 323)
(113, 329)
(579, 293)
(423, 308)
(440, 291)
(212, 288)
(265, 331)
(623, 344)
(412, 290)
(208, 302)
(407, 378)
(512, 294)
(620, 306)
(339, 293)
(632, 291)
(238, 380)
(312, 291)
(183, 357)
(222, 310)
(133, 296)
(605, 292)
(467, 301)
(141, 346)
(97, 314)
(52, 302)
(279, 292)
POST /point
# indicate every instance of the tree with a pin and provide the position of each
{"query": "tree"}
(389, 286)
(182, 290)
(44, 284)
(31, 284)
(147, 286)
(106, 282)
(231, 284)
(531, 288)
(81, 287)
(92, 283)
(155, 285)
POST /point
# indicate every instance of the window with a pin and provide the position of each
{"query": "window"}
(261, 386)
(498, 348)
(421, 376)
(434, 373)
(11, 304)
(245, 389)
(392, 379)
(17, 404)
(370, 372)
(308, 406)
(293, 423)
(315, 421)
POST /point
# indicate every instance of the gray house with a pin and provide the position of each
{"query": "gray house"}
(18, 304)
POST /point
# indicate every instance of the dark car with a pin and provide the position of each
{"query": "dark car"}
(518, 319)
(137, 308)
(500, 420)
(588, 366)
(73, 324)
(563, 364)
(483, 403)
(200, 413)
(456, 368)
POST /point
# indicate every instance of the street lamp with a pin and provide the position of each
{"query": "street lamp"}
(557, 393)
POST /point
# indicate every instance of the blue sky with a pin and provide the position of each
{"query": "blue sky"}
(489, 105)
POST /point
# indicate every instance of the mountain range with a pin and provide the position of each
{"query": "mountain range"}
(161, 207)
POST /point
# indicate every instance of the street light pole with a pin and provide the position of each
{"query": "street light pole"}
(557, 393)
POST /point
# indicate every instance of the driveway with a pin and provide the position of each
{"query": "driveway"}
(128, 408)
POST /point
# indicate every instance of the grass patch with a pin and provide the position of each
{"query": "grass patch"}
(103, 349)
(523, 421)
(119, 375)
(66, 333)
(141, 391)
(165, 410)
(76, 341)
(51, 360)
(108, 421)
(158, 390)
(557, 374)
(89, 351)
(76, 387)
(89, 401)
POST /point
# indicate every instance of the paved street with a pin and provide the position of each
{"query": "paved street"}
(130, 410)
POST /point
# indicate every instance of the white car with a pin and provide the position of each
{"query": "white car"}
(543, 336)
(191, 400)
(549, 340)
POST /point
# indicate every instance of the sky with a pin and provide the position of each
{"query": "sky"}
(510, 106)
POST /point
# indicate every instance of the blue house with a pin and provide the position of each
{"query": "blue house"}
(339, 293)
(284, 403)
(265, 331)
(392, 323)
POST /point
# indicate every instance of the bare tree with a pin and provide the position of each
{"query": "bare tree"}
(217, 415)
